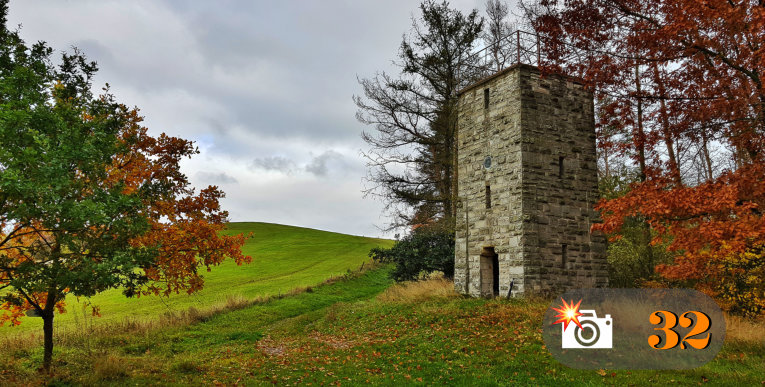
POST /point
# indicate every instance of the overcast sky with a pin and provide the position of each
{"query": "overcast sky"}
(263, 87)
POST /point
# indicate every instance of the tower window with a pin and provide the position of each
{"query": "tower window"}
(488, 196)
(560, 166)
(485, 98)
(564, 255)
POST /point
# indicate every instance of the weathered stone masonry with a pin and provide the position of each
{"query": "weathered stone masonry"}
(524, 215)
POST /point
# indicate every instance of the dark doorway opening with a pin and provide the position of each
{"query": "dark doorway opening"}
(495, 283)
(489, 272)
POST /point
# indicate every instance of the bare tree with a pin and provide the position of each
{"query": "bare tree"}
(497, 34)
(414, 116)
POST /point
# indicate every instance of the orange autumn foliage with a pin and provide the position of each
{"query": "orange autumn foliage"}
(186, 227)
(670, 71)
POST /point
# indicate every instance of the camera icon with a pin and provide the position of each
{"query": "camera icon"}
(601, 335)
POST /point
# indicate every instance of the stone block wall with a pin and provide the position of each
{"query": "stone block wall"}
(539, 135)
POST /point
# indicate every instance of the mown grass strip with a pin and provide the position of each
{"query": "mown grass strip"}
(221, 328)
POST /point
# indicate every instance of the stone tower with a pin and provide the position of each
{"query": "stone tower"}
(527, 182)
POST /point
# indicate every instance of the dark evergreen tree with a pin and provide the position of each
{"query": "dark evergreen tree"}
(414, 116)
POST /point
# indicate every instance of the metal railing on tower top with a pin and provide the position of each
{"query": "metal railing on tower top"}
(516, 48)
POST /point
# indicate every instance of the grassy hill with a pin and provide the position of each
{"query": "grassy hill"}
(360, 330)
(284, 258)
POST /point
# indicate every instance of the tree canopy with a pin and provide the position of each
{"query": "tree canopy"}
(90, 201)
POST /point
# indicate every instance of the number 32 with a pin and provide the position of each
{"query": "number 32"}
(672, 338)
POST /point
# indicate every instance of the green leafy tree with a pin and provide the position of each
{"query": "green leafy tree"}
(88, 200)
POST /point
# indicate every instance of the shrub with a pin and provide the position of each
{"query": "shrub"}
(418, 254)
(632, 259)
(737, 281)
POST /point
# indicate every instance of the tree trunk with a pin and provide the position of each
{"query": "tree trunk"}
(47, 316)
(707, 158)
(47, 341)
(674, 164)
(641, 160)
(640, 144)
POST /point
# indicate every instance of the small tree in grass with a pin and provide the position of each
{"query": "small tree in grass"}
(88, 200)
(425, 250)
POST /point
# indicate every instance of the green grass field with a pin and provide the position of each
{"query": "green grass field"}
(359, 328)
(284, 258)
(356, 331)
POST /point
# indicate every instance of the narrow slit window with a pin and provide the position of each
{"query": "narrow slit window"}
(560, 166)
(564, 255)
(488, 196)
(485, 98)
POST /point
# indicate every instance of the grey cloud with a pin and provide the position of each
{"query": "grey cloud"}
(215, 178)
(273, 163)
(95, 50)
(297, 85)
(322, 165)
(288, 68)
(319, 165)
